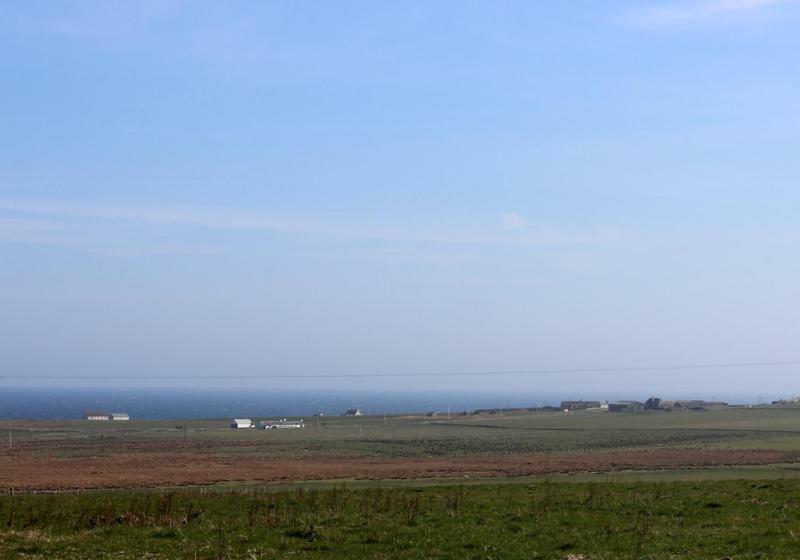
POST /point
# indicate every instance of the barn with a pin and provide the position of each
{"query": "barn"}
(241, 423)
(280, 424)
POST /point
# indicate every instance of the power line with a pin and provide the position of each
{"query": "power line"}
(486, 373)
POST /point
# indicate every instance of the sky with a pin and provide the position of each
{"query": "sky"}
(301, 188)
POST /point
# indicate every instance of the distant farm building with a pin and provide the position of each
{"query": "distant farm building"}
(241, 423)
(280, 424)
(625, 406)
(94, 415)
(582, 405)
(653, 403)
(120, 416)
(354, 412)
(691, 405)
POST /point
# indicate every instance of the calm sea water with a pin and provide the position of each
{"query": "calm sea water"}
(66, 403)
(223, 402)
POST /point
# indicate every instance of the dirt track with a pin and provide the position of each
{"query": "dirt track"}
(27, 469)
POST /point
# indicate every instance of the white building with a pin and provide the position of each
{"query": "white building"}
(96, 416)
(120, 416)
(283, 423)
(241, 423)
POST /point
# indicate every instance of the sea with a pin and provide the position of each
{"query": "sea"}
(169, 403)
(151, 403)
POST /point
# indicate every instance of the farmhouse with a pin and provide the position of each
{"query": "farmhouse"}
(625, 406)
(692, 405)
(354, 412)
(241, 423)
(280, 424)
(94, 415)
(120, 416)
(580, 405)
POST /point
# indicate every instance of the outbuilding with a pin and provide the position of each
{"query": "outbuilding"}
(280, 424)
(120, 416)
(626, 406)
(241, 423)
(94, 415)
(579, 405)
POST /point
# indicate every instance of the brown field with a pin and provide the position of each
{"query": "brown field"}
(159, 465)
(74, 454)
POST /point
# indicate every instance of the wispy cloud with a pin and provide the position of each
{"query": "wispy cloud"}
(110, 19)
(687, 13)
(509, 229)
(217, 32)
(513, 221)
(15, 228)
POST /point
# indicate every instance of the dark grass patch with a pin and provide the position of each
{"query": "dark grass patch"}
(737, 519)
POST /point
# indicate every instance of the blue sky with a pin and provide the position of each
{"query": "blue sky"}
(244, 188)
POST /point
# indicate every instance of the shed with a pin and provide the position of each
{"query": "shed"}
(625, 406)
(283, 423)
(241, 423)
(95, 415)
(580, 405)
(120, 416)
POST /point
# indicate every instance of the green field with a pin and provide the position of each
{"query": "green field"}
(742, 511)
(410, 436)
(549, 520)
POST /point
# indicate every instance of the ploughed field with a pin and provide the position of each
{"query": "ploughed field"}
(542, 519)
(46, 455)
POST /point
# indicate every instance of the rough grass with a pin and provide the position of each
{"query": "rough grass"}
(417, 437)
(738, 519)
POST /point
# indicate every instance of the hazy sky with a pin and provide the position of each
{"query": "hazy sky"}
(245, 188)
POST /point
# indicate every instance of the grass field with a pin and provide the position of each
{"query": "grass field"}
(410, 436)
(549, 520)
(717, 484)
(79, 454)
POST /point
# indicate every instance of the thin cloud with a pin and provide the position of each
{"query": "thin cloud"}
(13, 225)
(90, 217)
(687, 13)
(68, 234)
(25, 229)
(111, 19)
(513, 221)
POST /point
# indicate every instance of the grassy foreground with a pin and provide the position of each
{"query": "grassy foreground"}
(737, 519)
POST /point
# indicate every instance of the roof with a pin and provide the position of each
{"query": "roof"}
(242, 420)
